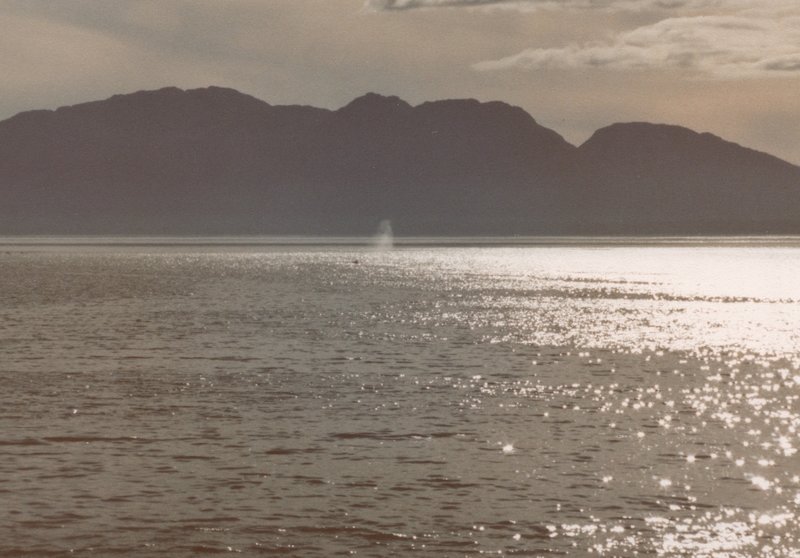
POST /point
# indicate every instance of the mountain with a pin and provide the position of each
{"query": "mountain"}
(655, 178)
(216, 161)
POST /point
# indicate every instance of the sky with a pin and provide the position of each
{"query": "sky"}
(729, 67)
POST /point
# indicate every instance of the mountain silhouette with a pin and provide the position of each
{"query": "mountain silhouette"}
(216, 161)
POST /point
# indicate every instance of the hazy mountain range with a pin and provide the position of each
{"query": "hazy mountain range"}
(216, 161)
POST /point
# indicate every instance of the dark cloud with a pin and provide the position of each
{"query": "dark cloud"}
(791, 64)
(529, 5)
(398, 5)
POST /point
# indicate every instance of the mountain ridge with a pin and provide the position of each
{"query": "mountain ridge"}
(216, 161)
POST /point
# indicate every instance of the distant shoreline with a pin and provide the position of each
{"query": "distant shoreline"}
(399, 242)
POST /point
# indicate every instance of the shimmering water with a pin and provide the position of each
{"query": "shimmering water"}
(617, 399)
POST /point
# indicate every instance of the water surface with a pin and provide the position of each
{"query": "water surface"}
(613, 398)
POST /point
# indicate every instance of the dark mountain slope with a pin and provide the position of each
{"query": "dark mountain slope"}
(667, 179)
(215, 161)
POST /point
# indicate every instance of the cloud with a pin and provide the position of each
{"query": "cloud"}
(720, 39)
(398, 5)
(658, 8)
(712, 46)
(531, 5)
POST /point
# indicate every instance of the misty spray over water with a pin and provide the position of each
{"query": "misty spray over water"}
(384, 239)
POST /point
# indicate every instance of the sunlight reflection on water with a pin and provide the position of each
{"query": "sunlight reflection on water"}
(637, 298)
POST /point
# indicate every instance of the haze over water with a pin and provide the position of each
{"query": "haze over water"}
(611, 398)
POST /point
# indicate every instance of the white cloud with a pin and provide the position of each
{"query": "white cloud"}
(738, 46)
(719, 39)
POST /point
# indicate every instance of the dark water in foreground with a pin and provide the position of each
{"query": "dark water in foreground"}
(607, 400)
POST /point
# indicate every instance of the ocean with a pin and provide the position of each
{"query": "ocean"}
(460, 397)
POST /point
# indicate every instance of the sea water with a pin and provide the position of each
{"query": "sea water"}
(537, 397)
